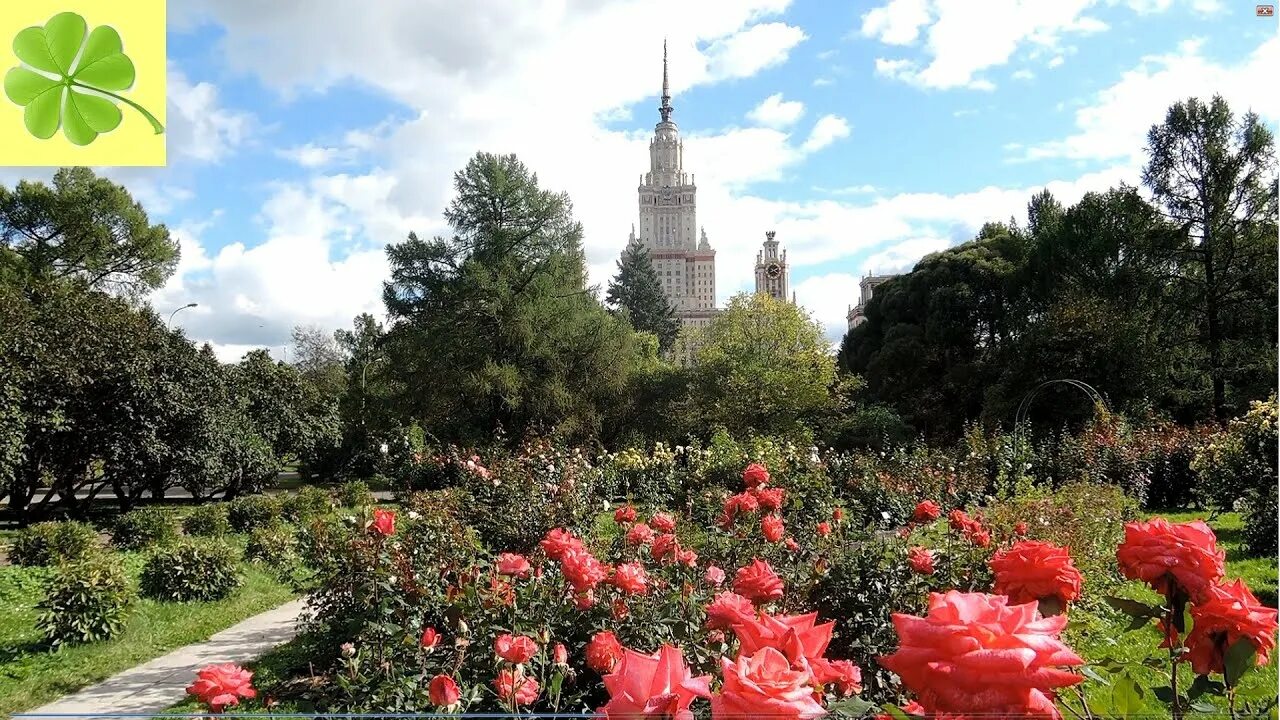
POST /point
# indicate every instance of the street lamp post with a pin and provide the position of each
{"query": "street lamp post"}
(175, 312)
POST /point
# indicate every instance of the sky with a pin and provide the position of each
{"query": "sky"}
(307, 135)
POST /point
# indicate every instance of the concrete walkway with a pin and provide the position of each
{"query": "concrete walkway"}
(156, 685)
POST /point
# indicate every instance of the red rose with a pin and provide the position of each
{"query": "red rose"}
(926, 511)
(979, 536)
(658, 685)
(630, 578)
(663, 522)
(755, 475)
(1172, 557)
(824, 528)
(559, 541)
(639, 534)
(560, 654)
(582, 569)
(758, 582)
(1031, 571)
(517, 649)
(743, 502)
(624, 515)
(221, 686)
(729, 609)
(837, 514)
(664, 546)
(1228, 613)
(959, 520)
(430, 638)
(764, 685)
(523, 689)
(799, 637)
(513, 564)
(1021, 529)
(444, 691)
(921, 560)
(974, 653)
(769, 498)
(384, 522)
(714, 576)
(603, 652)
(772, 528)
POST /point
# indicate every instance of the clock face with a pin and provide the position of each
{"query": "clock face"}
(773, 270)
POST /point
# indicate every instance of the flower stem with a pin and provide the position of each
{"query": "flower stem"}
(155, 124)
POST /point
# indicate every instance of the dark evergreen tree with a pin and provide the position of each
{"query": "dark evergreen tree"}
(637, 292)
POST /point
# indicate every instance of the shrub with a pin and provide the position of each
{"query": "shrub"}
(191, 570)
(1239, 466)
(208, 520)
(274, 545)
(85, 601)
(49, 543)
(356, 494)
(309, 502)
(251, 512)
(145, 527)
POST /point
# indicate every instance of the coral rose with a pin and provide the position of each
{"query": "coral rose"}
(758, 582)
(729, 609)
(837, 514)
(639, 534)
(921, 560)
(714, 576)
(824, 528)
(558, 541)
(664, 546)
(755, 475)
(625, 514)
(384, 522)
(560, 655)
(772, 528)
(517, 649)
(960, 520)
(1228, 613)
(926, 511)
(687, 558)
(1174, 558)
(769, 498)
(584, 600)
(603, 652)
(663, 522)
(221, 686)
(799, 637)
(631, 578)
(792, 545)
(514, 565)
(764, 685)
(658, 685)
(1031, 571)
(443, 691)
(523, 689)
(582, 569)
(743, 502)
(974, 653)
(430, 638)
(1021, 529)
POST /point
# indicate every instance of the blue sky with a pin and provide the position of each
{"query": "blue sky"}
(305, 135)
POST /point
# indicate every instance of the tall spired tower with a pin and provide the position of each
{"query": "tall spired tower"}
(682, 257)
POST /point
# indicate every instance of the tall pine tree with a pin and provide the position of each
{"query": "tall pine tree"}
(637, 291)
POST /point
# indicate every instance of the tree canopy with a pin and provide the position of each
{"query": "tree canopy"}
(637, 292)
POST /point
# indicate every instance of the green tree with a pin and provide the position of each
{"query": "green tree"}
(637, 291)
(495, 327)
(762, 366)
(318, 357)
(1213, 176)
(83, 227)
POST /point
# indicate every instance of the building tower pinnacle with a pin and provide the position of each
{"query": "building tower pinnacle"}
(665, 109)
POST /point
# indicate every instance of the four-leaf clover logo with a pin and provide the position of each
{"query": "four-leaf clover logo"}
(68, 77)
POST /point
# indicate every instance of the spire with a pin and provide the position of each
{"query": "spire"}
(666, 108)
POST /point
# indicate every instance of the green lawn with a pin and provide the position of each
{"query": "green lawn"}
(31, 675)
(1102, 633)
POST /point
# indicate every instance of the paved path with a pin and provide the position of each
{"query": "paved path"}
(156, 685)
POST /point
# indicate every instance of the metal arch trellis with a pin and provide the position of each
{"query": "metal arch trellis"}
(1025, 406)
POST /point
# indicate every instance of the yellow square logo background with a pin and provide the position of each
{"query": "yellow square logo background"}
(141, 24)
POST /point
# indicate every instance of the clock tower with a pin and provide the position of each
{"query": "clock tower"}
(773, 277)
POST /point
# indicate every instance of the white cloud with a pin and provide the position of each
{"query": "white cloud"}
(823, 82)
(827, 130)
(748, 52)
(1115, 122)
(311, 155)
(202, 130)
(816, 293)
(775, 112)
(1023, 74)
(961, 43)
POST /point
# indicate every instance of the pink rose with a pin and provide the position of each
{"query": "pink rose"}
(514, 565)
(657, 685)
(765, 685)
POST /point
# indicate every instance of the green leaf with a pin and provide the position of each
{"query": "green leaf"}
(103, 63)
(87, 116)
(51, 48)
(1126, 696)
(852, 707)
(22, 85)
(1164, 693)
(1133, 608)
(1237, 661)
(42, 115)
(895, 712)
(1094, 675)
(1204, 707)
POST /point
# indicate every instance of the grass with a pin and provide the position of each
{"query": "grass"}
(1098, 633)
(31, 674)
